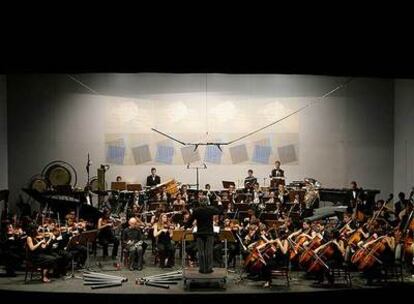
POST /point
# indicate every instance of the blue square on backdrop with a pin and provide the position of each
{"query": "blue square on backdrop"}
(164, 154)
(261, 154)
(115, 155)
(213, 155)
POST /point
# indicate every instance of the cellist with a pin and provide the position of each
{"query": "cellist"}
(279, 259)
(331, 254)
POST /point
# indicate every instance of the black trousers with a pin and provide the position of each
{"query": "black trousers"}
(105, 240)
(205, 245)
(166, 251)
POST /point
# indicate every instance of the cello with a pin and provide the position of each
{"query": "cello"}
(308, 254)
(319, 258)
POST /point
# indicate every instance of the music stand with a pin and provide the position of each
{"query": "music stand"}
(226, 236)
(120, 186)
(72, 242)
(227, 184)
(86, 239)
(134, 187)
(271, 207)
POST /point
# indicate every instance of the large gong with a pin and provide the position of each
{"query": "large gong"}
(60, 173)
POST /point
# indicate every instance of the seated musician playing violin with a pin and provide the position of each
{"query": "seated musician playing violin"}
(163, 231)
(11, 253)
(106, 234)
(37, 244)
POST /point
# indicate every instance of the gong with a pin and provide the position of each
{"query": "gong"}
(57, 175)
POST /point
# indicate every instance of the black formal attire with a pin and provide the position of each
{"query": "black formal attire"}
(153, 180)
(277, 173)
(106, 236)
(134, 243)
(204, 236)
(165, 249)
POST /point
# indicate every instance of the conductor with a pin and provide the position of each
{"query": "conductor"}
(205, 235)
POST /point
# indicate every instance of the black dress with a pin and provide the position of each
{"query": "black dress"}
(41, 258)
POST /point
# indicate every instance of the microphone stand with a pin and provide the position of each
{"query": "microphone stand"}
(197, 168)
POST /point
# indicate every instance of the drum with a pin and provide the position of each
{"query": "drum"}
(171, 187)
(39, 184)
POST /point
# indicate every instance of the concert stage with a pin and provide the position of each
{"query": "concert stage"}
(65, 291)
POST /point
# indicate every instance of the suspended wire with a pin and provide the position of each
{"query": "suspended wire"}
(82, 84)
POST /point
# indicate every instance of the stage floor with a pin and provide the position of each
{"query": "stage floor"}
(60, 289)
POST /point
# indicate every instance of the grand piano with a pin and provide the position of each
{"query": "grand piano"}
(64, 202)
(340, 196)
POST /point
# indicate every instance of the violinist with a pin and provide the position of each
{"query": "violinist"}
(190, 246)
(11, 249)
(37, 252)
(232, 247)
(279, 259)
(106, 234)
(57, 249)
(163, 231)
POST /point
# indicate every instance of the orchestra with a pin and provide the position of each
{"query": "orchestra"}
(268, 225)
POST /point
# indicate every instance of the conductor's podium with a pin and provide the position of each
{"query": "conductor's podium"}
(192, 277)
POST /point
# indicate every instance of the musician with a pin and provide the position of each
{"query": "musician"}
(283, 194)
(334, 260)
(401, 204)
(133, 240)
(163, 232)
(184, 193)
(211, 196)
(57, 249)
(354, 194)
(257, 194)
(153, 179)
(179, 201)
(277, 172)
(118, 179)
(37, 252)
(11, 248)
(106, 234)
(205, 235)
(279, 259)
(249, 181)
(190, 246)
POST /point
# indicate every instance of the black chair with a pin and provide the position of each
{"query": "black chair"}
(341, 273)
(31, 267)
(282, 272)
